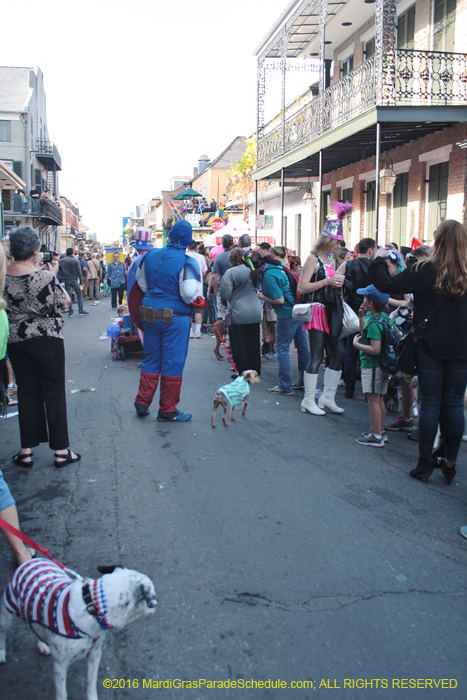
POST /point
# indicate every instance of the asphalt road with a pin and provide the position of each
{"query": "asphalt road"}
(279, 548)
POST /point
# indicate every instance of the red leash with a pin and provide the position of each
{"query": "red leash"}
(35, 545)
(222, 340)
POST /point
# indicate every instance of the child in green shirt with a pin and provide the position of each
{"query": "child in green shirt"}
(374, 379)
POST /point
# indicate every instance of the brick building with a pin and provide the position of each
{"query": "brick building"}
(391, 94)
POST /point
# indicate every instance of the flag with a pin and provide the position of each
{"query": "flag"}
(415, 243)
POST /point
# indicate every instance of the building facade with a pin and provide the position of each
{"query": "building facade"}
(389, 98)
(25, 147)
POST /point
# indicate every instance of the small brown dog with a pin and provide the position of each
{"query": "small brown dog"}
(232, 394)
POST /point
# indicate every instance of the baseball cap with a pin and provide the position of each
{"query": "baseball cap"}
(373, 294)
(227, 240)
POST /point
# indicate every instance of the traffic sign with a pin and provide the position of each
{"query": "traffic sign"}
(217, 224)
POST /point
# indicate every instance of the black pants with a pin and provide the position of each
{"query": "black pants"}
(120, 291)
(39, 366)
(320, 343)
(245, 344)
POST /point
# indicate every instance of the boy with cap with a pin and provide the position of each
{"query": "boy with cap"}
(374, 379)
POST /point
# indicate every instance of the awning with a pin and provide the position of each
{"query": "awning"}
(9, 180)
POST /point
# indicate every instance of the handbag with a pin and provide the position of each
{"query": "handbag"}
(407, 355)
(304, 312)
(350, 322)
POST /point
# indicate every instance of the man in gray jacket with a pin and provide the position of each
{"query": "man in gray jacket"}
(69, 272)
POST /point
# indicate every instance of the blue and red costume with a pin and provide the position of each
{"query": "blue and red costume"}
(161, 277)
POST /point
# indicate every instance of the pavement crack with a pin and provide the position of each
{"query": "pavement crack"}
(314, 604)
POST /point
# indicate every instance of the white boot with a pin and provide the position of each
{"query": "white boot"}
(327, 398)
(308, 404)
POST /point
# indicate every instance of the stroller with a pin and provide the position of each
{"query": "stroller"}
(128, 340)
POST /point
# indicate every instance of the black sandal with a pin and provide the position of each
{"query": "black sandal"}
(20, 460)
(66, 459)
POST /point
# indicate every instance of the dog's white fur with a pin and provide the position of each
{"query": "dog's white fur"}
(129, 595)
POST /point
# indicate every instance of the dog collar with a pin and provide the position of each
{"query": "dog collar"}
(93, 606)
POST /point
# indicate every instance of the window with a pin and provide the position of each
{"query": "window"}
(406, 29)
(437, 196)
(347, 65)
(347, 196)
(370, 209)
(18, 168)
(400, 197)
(325, 207)
(369, 48)
(5, 130)
(444, 25)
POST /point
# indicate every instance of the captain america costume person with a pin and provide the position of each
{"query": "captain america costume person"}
(169, 280)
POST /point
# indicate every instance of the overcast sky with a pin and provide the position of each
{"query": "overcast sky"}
(138, 90)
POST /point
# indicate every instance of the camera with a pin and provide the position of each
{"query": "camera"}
(47, 256)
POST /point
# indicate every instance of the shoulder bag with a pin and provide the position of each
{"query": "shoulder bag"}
(304, 312)
(350, 321)
(406, 359)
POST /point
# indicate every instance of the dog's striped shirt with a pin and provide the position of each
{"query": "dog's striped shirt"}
(39, 592)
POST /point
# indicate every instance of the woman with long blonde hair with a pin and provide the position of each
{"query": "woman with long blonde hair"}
(439, 288)
(318, 273)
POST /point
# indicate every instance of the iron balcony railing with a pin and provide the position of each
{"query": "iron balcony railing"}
(47, 150)
(421, 78)
(29, 206)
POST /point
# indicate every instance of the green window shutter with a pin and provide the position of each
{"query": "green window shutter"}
(400, 198)
(18, 168)
(437, 196)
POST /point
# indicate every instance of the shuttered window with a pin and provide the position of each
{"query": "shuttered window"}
(406, 29)
(369, 49)
(444, 25)
(5, 130)
(370, 209)
(437, 196)
(400, 197)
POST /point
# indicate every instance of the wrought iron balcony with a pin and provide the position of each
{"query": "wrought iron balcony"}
(19, 205)
(421, 78)
(47, 153)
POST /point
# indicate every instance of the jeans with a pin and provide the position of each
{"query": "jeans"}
(286, 332)
(69, 285)
(350, 364)
(441, 388)
(120, 291)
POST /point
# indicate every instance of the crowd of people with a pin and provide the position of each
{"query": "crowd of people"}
(249, 298)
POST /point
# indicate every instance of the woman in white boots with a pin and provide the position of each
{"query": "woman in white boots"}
(317, 274)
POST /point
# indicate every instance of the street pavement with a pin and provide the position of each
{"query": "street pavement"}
(279, 548)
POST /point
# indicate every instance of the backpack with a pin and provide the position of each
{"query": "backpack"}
(292, 278)
(390, 342)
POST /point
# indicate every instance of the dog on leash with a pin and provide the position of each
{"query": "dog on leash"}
(232, 394)
(71, 616)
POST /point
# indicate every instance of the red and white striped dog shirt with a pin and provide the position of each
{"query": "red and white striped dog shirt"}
(39, 592)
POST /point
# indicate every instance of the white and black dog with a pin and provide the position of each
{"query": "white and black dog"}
(72, 615)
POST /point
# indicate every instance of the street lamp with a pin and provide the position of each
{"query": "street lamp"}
(387, 176)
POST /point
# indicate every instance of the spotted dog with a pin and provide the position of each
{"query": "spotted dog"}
(71, 616)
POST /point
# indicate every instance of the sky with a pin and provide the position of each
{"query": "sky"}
(137, 91)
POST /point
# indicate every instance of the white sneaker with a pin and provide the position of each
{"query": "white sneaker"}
(192, 335)
(198, 334)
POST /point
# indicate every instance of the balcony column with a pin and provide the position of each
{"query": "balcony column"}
(260, 93)
(323, 15)
(378, 161)
(319, 198)
(284, 45)
(385, 27)
(282, 206)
